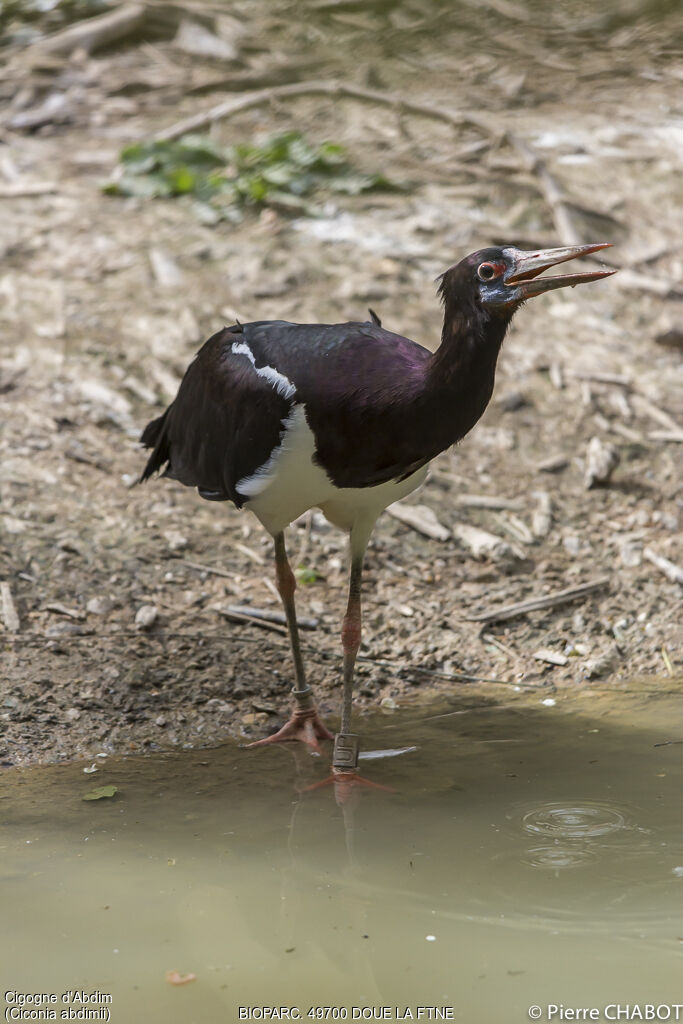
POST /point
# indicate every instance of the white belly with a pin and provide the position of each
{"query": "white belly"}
(290, 483)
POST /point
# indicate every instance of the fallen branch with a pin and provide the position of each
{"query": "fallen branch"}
(330, 88)
(94, 33)
(535, 604)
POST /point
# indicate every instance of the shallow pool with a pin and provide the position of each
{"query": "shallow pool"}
(530, 856)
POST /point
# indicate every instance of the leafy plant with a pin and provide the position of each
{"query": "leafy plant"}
(283, 171)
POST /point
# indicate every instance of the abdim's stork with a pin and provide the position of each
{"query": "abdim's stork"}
(279, 418)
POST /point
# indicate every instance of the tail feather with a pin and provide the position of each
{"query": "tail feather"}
(155, 436)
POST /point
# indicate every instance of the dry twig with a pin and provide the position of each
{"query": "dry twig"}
(534, 604)
(670, 569)
(330, 88)
(94, 33)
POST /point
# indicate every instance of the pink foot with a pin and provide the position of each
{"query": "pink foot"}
(305, 726)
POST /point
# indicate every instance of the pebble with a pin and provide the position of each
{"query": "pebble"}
(176, 541)
(146, 616)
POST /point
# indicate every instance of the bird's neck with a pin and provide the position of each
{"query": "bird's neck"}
(462, 370)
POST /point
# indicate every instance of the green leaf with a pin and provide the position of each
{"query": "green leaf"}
(101, 793)
(332, 154)
(181, 180)
(305, 575)
(280, 174)
(203, 149)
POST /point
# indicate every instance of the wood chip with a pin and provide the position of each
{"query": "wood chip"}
(9, 611)
(556, 374)
(516, 528)
(602, 458)
(166, 271)
(676, 436)
(491, 501)
(481, 543)
(534, 604)
(670, 569)
(420, 518)
(553, 464)
(618, 379)
(542, 516)
(550, 657)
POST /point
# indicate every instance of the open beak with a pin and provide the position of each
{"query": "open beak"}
(526, 267)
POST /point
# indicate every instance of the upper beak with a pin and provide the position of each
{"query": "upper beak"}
(528, 265)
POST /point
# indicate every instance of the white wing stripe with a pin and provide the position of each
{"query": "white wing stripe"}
(282, 384)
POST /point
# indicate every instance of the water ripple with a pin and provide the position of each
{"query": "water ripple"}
(587, 820)
(558, 857)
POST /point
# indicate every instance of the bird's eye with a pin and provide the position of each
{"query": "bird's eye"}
(486, 272)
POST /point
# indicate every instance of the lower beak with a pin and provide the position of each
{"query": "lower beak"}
(528, 265)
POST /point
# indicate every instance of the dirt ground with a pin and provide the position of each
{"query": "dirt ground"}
(572, 135)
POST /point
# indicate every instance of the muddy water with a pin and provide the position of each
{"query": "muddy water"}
(529, 855)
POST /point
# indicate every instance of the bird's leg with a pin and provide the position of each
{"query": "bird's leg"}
(346, 745)
(305, 723)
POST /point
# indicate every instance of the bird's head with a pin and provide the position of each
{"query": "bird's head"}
(500, 279)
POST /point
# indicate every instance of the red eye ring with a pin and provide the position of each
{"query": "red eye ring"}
(487, 271)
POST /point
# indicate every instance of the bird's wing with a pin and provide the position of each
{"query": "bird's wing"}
(223, 424)
(361, 387)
